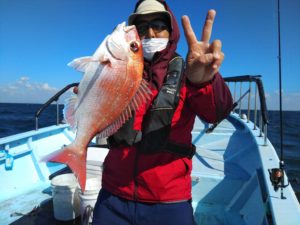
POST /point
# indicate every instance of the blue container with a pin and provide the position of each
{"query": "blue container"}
(9, 162)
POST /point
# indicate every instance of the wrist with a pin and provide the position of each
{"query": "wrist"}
(198, 84)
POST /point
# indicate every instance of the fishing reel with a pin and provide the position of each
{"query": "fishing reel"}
(277, 178)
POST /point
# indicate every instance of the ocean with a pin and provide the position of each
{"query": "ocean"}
(17, 118)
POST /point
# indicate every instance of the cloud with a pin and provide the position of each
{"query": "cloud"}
(290, 101)
(46, 87)
(26, 91)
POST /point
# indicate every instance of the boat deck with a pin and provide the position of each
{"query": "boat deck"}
(222, 181)
(42, 215)
(230, 181)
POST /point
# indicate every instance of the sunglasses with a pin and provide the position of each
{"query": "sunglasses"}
(156, 25)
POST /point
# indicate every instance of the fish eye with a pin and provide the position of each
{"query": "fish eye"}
(134, 46)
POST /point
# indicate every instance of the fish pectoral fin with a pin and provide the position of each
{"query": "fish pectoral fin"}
(74, 159)
(81, 64)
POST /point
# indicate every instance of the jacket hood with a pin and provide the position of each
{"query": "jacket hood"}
(155, 71)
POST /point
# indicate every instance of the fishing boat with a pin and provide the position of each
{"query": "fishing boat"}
(237, 176)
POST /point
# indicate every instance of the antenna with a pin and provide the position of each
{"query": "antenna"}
(277, 174)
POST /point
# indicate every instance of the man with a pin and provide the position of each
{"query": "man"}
(146, 175)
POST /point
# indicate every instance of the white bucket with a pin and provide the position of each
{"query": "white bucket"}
(66, 203)
(89, 197)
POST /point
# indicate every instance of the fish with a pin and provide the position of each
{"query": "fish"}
(112, 88)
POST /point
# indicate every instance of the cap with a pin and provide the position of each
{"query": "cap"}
(149, 7)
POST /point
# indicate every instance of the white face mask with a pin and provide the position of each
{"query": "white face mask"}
(152, 45)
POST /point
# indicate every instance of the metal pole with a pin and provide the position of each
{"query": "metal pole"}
(265, 134)
(234, 96)
(57, 113)
(249, 99)
(255, 108)
(260, 124)
(240, 108)
(36, 123)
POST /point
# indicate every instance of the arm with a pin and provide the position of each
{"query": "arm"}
(208, 95)
(211, 101)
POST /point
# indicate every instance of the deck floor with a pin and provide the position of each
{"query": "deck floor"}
(43, 215)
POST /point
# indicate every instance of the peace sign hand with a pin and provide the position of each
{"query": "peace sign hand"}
(203, 59)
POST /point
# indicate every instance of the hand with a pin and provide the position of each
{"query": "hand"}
(75, 90)
(203, 59)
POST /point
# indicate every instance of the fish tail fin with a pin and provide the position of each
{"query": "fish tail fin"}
(142, 95)
(73, 157)
(69, 111)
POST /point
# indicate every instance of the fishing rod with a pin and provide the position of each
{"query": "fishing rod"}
(277, 174)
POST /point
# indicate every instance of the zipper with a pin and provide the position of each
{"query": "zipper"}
(135, 168)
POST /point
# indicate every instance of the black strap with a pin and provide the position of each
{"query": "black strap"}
(181, 149)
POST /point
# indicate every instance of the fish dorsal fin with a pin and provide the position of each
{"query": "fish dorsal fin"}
(141, 96)
(69, 111)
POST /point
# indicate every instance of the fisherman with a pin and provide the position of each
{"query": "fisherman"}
(147, 173)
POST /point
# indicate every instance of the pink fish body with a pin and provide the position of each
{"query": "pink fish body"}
(112, 87)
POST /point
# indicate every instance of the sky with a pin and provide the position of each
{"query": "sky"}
(38, 38)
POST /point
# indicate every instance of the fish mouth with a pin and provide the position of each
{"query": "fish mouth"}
(132, 33)
(129, 32)
(129, 28)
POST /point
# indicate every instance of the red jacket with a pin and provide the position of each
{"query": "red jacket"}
(165, 177)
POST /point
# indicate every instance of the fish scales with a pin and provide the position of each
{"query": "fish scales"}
(112, 87)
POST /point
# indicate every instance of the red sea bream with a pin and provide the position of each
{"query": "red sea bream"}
(112, 87)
